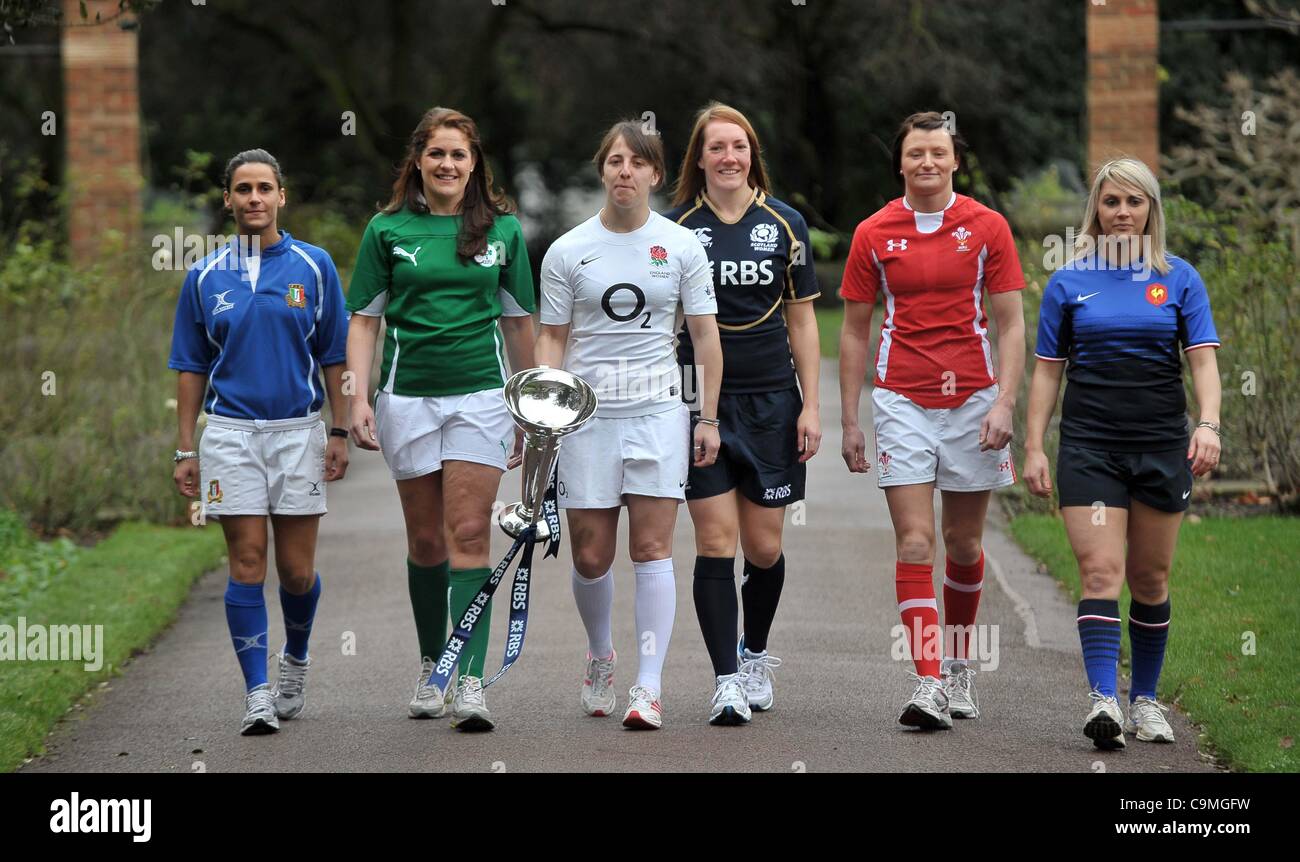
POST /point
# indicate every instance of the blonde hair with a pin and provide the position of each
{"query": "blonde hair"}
(690, 179)
(1134, 175)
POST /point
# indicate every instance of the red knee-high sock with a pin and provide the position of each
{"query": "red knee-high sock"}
(915, 589)
(962, 586)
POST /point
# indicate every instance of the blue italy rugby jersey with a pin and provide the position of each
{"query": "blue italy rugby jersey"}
(1121, 330)
(262, 345)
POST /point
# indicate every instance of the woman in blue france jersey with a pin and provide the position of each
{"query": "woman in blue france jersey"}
(1114, 320)
(763, 276)
(257, 322)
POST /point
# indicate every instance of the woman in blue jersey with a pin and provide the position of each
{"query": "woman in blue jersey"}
(1114, 319)
(257, 322)
(763, 274)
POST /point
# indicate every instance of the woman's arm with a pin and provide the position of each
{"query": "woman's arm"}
(1009, 313)
(708, 363)
(189, 397)
(855, 340)
(1205, 446)
(805, 347)
(520, 338)
(1043, 390)
(362, 332)
(551, 344)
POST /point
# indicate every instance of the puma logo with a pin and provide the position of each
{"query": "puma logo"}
(409, 255)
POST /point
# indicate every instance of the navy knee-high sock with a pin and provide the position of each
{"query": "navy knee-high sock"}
(1148, 632)
(1099, 636)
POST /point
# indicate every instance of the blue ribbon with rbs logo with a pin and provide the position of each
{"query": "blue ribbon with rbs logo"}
(519, 593)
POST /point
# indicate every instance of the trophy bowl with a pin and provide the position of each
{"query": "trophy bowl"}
(548, 403)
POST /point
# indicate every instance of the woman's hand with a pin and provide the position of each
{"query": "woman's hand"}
(1204, 451)
(706, 444)
(854, 450)
(1038, 473)
(186, 477)
(363, 426)
(996, 429)
(809, 431)
(336, 458)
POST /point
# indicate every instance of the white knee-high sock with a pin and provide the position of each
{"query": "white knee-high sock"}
(656, 606)
(595, 600)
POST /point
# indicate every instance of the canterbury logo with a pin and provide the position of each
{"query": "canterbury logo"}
(900, 244)
(409, 255)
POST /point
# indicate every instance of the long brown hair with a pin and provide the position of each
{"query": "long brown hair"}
(482, 202)
(690, 179)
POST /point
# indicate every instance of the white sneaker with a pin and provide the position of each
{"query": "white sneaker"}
(259, 714)
(756, 669)
(1146, 720)
(730, 703)
(289, 693)
(959, 685)
(428, 701)
(1103, 724)
(598, 698)
(468, 708)
(928, 707)
(643, 709)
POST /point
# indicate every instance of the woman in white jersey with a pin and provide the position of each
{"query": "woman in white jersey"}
(611, 288)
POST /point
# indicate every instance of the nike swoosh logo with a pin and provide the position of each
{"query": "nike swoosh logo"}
(1187, 494)
(1079, 297)
(589, 260)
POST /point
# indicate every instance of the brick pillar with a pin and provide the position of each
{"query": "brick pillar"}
(1123, 117)
(100, 127)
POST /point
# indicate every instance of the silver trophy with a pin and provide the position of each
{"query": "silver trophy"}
(547, 403)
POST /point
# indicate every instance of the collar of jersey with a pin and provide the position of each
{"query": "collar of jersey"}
(756, 198)
(952, 200)
(629, 238)
(280, 247)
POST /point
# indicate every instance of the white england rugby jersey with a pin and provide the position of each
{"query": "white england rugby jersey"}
(619, 294)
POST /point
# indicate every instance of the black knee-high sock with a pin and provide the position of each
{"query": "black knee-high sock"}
(760, 591)
(715, 605)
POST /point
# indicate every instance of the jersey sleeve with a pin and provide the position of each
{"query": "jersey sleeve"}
(698, 295)
(1053, 343)
(801, 275)
(191, 350)
(329, 343)
(1195, 322)
(1002, 272)
(517, 273)
(557, 288)
(861, 278)
(372, 276)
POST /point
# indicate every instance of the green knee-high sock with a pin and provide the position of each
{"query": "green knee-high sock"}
(428, 588)
(465, 584)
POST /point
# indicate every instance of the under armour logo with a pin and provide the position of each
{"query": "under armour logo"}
(242, 643)
(222, 303)
(409, 255)
(900, 244)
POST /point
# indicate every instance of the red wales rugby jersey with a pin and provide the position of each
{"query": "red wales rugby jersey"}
(932, 271)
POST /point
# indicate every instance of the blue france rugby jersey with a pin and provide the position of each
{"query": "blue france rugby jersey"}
(1120, 330)
(759, 264)
(262, 346)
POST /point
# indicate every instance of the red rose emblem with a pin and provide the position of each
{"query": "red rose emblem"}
(658, 255)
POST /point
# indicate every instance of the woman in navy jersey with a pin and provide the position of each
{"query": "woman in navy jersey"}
(1114, 319)
(257, 322)
(764, 279)
(939, 416)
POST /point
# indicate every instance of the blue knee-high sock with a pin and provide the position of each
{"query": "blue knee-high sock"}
(299, 612)
(1148, 632)
(1099, 635)
(246, 616)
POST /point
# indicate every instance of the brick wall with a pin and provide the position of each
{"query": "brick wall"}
(100, 127)
(1123, 118)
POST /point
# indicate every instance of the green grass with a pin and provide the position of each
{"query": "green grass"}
(1233, 580)
(131, 583)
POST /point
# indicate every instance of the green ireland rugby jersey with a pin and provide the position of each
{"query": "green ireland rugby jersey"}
(442, 336)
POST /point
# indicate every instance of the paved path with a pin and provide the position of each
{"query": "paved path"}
(838, 693)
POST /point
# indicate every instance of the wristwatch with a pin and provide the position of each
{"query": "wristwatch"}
(182, 455)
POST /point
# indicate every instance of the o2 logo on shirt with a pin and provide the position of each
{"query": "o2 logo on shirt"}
(607, 305)
(1157, 294)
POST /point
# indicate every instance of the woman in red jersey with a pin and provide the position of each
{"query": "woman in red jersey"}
(940, 419)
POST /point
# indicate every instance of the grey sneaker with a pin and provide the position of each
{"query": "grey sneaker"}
(428, 701)
(730, 705)
(959, 685)
(468, 708)
(259, 714)
(1103, 723)
(928, 707)
(1146, 720)
(756, 670)
(289, 686)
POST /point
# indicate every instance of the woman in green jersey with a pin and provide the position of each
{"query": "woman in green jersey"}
(443, 263)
